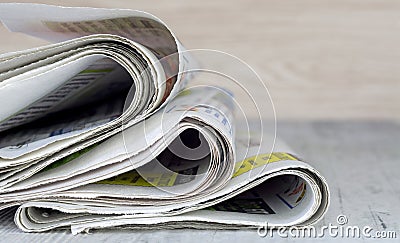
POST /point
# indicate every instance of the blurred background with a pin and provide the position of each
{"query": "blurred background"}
(321, 60)
(333, 71)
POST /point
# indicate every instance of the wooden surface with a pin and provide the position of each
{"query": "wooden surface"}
(320, 59)
(360, 161)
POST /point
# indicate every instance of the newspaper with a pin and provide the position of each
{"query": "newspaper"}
(96, 132)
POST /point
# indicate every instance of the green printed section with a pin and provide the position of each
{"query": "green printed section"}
(69, 158)
(133, 178)
(107, 70)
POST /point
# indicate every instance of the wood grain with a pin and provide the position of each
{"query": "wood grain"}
(320, 59)
(360, 161)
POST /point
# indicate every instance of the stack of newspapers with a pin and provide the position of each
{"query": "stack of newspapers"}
(100, 130)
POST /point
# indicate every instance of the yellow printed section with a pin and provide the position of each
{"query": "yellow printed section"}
(260, 160)
(133, 178)
(184, 93)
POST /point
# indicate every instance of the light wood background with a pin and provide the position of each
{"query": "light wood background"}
(320, 59)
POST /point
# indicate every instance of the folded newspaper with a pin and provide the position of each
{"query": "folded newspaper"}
(96, 132)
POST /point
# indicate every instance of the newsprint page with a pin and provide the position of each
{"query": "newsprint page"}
(105, 128)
